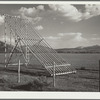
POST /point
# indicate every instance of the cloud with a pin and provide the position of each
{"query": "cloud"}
(73, 40)
(39, 27)
(63, 40)
(79, 37)
(71, 12)
(95, 39)
(53, 41)
(40, 7)
(34, 20)
(91, 10)
(67, 10)
(64, 34)
(1, 19)
(52, 38)
(74, 36)
(29, 12)
(32, 14)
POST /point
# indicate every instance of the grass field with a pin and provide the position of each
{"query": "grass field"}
(86, 78)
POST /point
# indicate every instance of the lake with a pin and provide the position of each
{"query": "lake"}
(76, 60)
(82, 60)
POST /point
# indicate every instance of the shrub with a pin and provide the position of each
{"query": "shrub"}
(38, 84)
(82, 68)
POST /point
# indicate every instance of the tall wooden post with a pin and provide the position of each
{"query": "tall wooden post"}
(99, 75)
(19, 71)
(5, 36)
(54, 74)
(27, 51)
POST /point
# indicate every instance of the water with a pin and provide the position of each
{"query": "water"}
(76, 60)
(82, 60)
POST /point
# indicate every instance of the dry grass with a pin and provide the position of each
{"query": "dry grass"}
(83, 80)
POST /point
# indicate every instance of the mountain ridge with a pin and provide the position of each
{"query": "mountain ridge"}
(80, 49)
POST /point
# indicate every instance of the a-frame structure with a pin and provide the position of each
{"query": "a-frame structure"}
(28, 42)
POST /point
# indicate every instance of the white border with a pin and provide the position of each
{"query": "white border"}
(49, 2)
(49, 95)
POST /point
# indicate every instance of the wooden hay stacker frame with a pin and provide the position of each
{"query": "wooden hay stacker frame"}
(23, 33)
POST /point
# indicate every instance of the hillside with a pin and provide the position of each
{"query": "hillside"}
(8, 47)
(89, 49)
(1, 46)
(39, 48)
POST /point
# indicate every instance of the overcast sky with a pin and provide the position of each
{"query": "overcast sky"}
(63, 26)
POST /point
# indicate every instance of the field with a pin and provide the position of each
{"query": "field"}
(86, 79)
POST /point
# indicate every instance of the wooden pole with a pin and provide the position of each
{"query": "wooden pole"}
(27, 59)
(99, 75)
(5, 42)
(54, 75)
(19, 71)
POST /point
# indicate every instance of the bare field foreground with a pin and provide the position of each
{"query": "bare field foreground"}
(33, 78)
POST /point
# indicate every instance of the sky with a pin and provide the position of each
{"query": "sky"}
(62, 25)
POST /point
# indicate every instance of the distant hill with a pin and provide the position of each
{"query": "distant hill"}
(89, 49)
(8, 47)
(37, 48)
(1, 47)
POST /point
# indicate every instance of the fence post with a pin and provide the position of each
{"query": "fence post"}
(99, 75)
(19, 71)
(54, 75)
